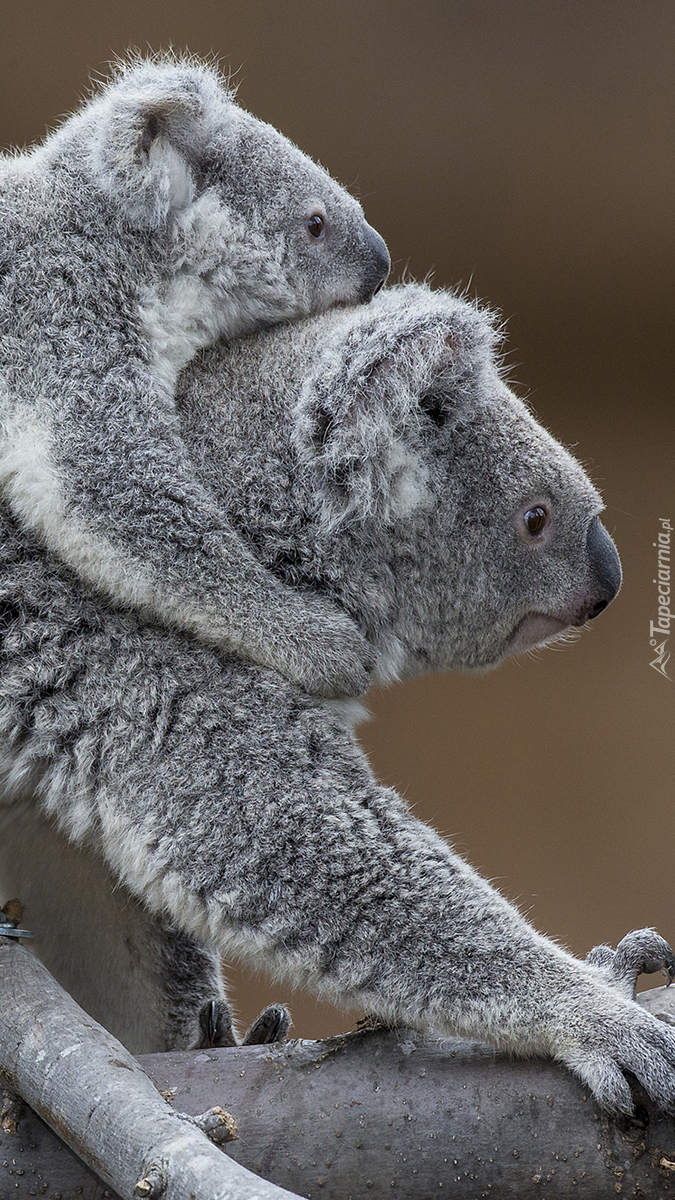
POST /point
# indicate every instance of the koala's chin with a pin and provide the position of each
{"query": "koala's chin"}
(533, 631)
(536, 629)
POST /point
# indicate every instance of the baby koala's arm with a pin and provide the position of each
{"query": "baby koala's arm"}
(106, 482)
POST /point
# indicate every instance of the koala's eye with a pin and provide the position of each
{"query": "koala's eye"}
(316, 225)
(434, 406)
(536, 520)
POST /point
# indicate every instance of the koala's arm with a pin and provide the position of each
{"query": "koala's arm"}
(245, 812)
(100, 473)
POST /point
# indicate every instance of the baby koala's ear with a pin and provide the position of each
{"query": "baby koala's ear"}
(144, 141)
(361, 412)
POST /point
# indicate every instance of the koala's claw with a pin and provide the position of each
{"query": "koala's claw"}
(272, 1025)
(11, 915)
(215, 1025)
(641, 952)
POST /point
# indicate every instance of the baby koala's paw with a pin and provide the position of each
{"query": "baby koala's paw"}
(216, 1029)
(641, 952)
(331, 657)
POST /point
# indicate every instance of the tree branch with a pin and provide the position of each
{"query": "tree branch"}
(335, 1119)
(90, 1090)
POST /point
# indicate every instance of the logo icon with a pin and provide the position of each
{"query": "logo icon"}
(662, 656)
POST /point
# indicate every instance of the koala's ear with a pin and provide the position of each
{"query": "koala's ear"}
(361, 410)
(143, 148)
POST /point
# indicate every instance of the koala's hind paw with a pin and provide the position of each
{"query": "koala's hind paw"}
(272, 1025)
(215, 1025)
(641, 952)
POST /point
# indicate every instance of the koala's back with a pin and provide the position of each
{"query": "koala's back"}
(70, 281)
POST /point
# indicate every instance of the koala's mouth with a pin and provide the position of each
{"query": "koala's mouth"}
(534, 630)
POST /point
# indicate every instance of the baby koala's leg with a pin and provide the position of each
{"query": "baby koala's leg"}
(641, 952)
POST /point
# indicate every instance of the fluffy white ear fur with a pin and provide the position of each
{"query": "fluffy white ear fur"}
(359, 411)
(140, 152)
(168, 172)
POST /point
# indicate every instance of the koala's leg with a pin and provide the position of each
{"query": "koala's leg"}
(120, 504)
(141, 977)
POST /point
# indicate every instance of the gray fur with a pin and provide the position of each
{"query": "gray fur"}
(158, 218)
(375, 456)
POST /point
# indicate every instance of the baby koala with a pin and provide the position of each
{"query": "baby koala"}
(157, 219)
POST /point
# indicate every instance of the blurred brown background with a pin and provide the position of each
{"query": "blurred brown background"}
(524, 149)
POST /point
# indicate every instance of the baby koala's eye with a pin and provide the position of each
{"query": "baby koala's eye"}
(316, 225)
(536, 520)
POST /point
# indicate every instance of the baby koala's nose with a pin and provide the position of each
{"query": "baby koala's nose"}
(377, 264)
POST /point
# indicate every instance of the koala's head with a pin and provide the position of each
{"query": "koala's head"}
(246, 210)
(375, 454)
(424, 458)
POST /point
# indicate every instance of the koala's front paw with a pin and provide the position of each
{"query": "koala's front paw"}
(613, 1036)
(331, 657)
(641, 952)
(628, 1038)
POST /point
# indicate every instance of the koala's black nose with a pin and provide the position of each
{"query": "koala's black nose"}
(605, 566)
(376, 264)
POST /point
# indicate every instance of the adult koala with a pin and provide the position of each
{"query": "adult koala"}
(165, 804)
(157, 219)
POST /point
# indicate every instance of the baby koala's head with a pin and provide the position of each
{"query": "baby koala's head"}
(267, 230)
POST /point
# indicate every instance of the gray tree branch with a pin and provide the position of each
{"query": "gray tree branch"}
(379, 1113)
(96, 1097)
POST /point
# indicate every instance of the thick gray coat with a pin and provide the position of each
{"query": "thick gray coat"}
(207, 805)
(155, 220)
